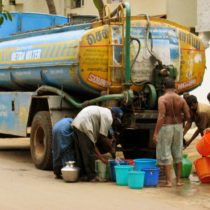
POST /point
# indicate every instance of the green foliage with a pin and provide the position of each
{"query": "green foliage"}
(99, 4)
(5, 15)
(1, 20)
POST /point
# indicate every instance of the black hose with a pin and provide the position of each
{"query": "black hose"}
(137, 54)
(149, 36)
(139, 48)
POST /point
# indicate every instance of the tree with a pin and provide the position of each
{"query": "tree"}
(99, 4)
(51, 6)
(4, 14)
(1, 5)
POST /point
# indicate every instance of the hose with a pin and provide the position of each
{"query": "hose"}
(135, 58)
(139, 48)
(126, 96)
(149, 35)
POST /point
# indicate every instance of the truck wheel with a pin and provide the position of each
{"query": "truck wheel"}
(41, 140)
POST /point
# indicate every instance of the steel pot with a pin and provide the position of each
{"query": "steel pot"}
(70, 173)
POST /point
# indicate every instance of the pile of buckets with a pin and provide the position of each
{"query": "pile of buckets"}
(143, 173)
(135, 174)
(202, 165)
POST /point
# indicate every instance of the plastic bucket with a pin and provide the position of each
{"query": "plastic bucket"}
(122, 174)
(144, 163)
(202, 167)
(203, 145)
(101, 170)
(151, 176)
(136, 179)
(112, 164)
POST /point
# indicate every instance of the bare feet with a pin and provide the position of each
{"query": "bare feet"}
(83, 179)
(179, 184)
(58, 176)
(95, 179)
(168, 184)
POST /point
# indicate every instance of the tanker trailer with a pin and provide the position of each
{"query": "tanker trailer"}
(120, 60)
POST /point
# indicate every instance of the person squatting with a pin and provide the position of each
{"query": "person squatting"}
(84, 139)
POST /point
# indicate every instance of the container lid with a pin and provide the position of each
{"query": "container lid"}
(136, 172)
(150, 169)
(123, 166)
(145, 160)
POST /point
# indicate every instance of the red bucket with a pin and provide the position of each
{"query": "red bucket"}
(202, 167)
(203, 145)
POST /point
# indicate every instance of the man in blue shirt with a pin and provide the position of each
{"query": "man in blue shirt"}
(62, 145)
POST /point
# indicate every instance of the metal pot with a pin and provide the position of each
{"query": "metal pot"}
(70, 173)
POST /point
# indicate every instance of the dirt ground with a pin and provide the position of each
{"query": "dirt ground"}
(23, 187)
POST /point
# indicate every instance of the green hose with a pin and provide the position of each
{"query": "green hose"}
(127, 43)
(126, 97)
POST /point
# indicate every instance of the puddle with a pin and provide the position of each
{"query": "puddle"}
(192, 186)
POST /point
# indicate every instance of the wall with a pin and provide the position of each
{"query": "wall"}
(182, 11)
(203, 23)
(202, 91)
(39, 6)
(150, 7)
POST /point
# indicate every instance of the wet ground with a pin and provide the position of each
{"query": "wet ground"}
(24, 187)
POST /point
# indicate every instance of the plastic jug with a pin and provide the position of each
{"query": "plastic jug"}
(186, 166)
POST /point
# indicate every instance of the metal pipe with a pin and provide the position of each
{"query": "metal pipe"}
(127, 43)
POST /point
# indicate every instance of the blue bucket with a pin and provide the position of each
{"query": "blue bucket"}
(121, 172)
(136, 179)
(151, 176)
(144, 163)
(112, 164)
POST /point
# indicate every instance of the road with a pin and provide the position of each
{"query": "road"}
(23, 187)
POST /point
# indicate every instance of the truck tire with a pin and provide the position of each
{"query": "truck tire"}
(41, 140)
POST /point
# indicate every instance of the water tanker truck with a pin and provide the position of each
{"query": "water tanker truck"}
(119, 59)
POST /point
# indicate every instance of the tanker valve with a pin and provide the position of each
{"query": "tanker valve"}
(128, 97)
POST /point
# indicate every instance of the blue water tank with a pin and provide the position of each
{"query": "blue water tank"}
(22, 22)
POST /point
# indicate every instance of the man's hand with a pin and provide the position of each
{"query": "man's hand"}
(155, 140)
(103, 159)
(187, 143)
(184, 143)
(112, 145)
